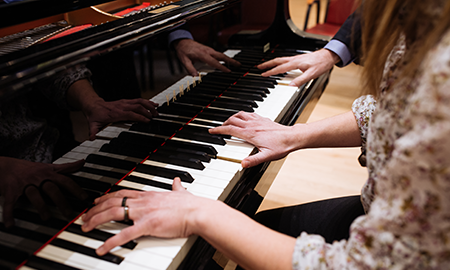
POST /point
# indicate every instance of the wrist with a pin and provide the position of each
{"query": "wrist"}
(332, 56)
(92, 105)
(203, 216)
(297, 138)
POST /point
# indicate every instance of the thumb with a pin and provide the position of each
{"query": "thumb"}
(188, 65)
(253, 160)
(176, 186)
(93, 130)
(307, 75)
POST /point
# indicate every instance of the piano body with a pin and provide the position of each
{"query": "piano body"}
(148, 156)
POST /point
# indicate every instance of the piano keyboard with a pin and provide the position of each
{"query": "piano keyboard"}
(179, 145)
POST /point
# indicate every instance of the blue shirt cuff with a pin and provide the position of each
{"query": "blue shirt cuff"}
(179, 34)
(341, 50)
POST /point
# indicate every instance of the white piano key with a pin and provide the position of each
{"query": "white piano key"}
(82, 261)
(146, 252)
(198, 189)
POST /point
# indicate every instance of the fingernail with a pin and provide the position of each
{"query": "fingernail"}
(244, 164)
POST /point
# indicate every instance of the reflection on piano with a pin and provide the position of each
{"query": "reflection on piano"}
(149, 156)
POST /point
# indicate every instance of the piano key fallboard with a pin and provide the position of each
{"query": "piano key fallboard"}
(148, 157)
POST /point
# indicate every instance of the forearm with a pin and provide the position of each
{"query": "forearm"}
(338, 131)
(243, 240)
(81, 95)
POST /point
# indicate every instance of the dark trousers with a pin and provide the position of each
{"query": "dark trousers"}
(329, 218)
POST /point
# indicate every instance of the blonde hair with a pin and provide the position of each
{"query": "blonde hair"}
(382, 23)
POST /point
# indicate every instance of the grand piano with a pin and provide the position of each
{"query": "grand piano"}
(147, 156)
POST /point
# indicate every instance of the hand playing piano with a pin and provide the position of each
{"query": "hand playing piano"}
(190, 51)
(33, 179)
(272, 139)
(312, 65)
(102, 113)
(160, 214)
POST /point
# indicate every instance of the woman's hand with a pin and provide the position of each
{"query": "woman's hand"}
(160, 214)
(274, 141)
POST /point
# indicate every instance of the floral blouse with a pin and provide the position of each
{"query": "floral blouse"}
(407, 195)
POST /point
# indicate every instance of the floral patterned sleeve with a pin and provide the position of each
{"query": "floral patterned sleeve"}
(408, 157)
(362, 108)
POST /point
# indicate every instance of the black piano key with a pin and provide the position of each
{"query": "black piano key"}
(147, 140)
(20, 243)
(218, 75)
(109, 257)
(243, 95)
(181, 119)
(254, 83)
(187, 99)
(251, 85)
(110, 162)
(219, 80)
(201, 137)
(143, 139)
(216, 84)
(97, 234)
(11, 257)
(186, 153)
(238, 100)
(232, 105)
(250, 88)
(178, 109)
(121, 147)
(235, 91)
(257, 77)
(111, 174)
(157, 127)
(173, 159)
(91, 184)
(35, 218)
(44, 264)
(164, 172)
(124, 150)
(203, 130)
(216, 115)
(148, 182)
(209, 149)
(210, 95)
(26, 234)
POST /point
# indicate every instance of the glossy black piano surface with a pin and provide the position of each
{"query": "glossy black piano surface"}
(123, 155)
